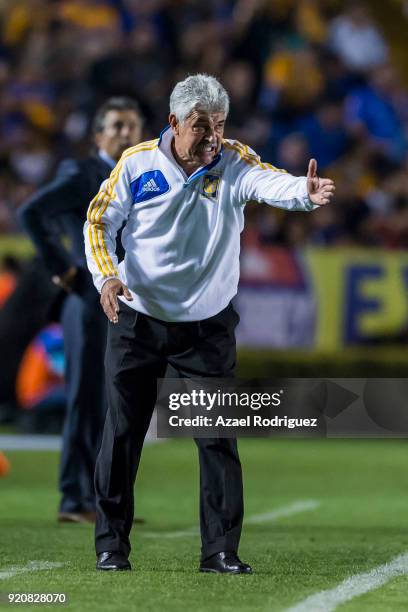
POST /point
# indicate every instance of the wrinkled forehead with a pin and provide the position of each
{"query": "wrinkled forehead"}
(199, 116)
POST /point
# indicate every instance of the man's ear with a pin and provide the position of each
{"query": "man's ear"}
(97, 139)
(174, 124)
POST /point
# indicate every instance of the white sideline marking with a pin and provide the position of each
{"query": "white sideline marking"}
(32, 566)
(256, 519)
(30, 442)
(327, 601)
(294, 508)
(192, 531)
(44, 442)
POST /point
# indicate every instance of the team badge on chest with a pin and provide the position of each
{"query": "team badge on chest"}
(211, 186)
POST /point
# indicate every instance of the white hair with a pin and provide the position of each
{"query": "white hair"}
(199, 91)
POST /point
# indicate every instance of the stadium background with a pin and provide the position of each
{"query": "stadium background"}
(320, 78)
(307, 78)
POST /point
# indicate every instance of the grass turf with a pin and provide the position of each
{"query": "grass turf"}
(360, 523)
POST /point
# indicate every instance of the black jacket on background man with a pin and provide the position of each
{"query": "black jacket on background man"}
(54, 218)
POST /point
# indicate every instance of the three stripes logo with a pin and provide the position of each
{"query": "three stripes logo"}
(151, 186)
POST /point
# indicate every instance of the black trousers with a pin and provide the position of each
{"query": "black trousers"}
(84, 327)
(139, 349)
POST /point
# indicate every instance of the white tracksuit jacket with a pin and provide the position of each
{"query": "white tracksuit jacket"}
(182, 234)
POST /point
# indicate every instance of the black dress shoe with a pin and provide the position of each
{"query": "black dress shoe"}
(112, 561)
(225, 563)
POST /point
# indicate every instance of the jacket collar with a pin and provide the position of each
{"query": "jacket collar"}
(106, 158)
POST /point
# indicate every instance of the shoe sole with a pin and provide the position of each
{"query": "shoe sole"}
(213, 571)
(113, 569)
(74, 517)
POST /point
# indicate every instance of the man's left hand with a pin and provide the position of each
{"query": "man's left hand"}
(320, 190)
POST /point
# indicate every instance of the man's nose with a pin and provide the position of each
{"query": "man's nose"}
(125, 131)
(210, 135)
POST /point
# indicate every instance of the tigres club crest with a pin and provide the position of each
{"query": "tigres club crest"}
(211, 185)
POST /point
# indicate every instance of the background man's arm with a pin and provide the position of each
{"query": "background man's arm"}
(37, 214)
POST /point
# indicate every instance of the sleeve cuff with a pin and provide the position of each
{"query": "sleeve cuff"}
(101, 283)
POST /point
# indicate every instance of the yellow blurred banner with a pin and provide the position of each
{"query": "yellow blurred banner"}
(361, 296)
(317, 298)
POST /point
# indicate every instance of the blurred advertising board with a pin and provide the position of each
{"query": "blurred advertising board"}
(362, 296)
(326, 299)
(276, 299)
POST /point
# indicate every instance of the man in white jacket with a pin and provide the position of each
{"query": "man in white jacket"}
(181, 198)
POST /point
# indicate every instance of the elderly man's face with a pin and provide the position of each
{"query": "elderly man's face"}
(198, 140)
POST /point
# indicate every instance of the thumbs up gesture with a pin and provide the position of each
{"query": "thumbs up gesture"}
(320, 190)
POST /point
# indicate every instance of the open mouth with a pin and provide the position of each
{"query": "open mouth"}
(207, 149)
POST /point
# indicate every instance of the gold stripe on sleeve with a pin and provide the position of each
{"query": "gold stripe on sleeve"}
(91, 242)
(106, 270)
(100, 203)
(109, 267)
(250, 158)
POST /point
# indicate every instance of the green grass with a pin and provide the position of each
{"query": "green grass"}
(361, 522)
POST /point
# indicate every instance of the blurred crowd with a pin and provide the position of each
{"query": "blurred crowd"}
(307, 78)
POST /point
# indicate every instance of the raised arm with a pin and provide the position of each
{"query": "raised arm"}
(263, 182)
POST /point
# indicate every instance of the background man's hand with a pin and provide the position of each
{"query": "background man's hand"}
(66, 280)
(320, 190)
(109, 297)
